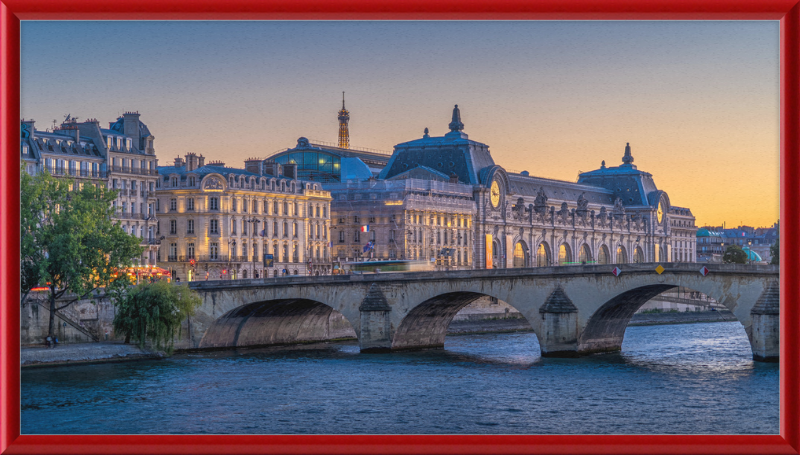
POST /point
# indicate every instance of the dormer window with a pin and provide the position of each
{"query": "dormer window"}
(128, 143)
(174, 181)
(191, 181)
(24, 149)
(110, 141)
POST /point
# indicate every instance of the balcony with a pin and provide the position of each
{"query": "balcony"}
(212, 259)
(172, 258)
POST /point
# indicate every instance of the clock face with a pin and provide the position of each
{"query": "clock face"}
(660, 212)
(495, 194)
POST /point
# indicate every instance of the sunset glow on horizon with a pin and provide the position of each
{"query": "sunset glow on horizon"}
(697, 101)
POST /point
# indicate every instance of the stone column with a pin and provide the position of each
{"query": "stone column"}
(764, 338)
(375, 329)
(559, 337)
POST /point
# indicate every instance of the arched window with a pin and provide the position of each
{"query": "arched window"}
(638, 256)
(519, 255)
(602, 255)
(542, 255)
(622, 255)
(564, 254)
(585, 255)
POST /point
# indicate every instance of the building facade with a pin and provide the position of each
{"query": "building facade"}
(444, 199)
(121, 157)
(218, 222)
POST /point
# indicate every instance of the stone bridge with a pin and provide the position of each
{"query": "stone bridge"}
(574, 310)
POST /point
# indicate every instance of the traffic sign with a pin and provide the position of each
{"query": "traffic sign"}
(704, 271)
(616, 271)
(659, 269)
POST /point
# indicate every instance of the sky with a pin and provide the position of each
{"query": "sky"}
(698, 101)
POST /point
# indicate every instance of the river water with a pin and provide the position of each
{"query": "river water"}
(669, 379)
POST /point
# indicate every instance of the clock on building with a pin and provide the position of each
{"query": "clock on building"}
(660, 212)
(495, 194)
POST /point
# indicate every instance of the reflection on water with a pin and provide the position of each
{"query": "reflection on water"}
(691, 378)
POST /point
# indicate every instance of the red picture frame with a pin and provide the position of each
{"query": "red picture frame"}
(787, 11)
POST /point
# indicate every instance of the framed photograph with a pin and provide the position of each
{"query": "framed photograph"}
(318, 255)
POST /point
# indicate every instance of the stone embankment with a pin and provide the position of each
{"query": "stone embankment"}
(83, 353)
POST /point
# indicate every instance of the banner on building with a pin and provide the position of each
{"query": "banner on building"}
(268, 260)
(489, 251)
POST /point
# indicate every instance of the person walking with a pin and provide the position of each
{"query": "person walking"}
(47, 341)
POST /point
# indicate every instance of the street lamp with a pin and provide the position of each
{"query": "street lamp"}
(749, 251)
(230, 243)
(255, 222)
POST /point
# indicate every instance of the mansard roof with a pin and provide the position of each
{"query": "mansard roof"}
(558, 189)
(201, 172)
(633, 186)
(452, 153)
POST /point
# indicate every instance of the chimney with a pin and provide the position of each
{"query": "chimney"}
(130, 127)
(179, 161)
(453, 177)
(253, 165)
(216, 163)
(271, 168)
(191, 162)
(201, 161)
(290, 170)
(70, 127)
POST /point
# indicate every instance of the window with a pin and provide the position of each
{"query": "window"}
(173, 205)
(285, 229)
(244, 227)
(190, 204)
(355, 219)
(341, 220)
(175, 182)
(372, 219)
(286, 208)
(266, 207)
(213, 227)
(255, 206)
(244, 206)
(296, 211)
(213, 203)
(190, 226)
(357, 236)
(233, 205)
(173, 227)
(324, 211)
(233, 226)
(317, 211)
(190, 250)
(191, 180)
(173, 251)
(213, 250)
(341, 236)
(294, 229)
(274, 228)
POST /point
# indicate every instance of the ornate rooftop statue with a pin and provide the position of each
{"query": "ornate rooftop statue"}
(456, 124)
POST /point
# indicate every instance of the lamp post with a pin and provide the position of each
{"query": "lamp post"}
(230, 243)
(749, 251)
(255, 222)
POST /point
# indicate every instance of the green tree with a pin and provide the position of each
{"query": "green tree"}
(734, 254)
(153, 311)
(775, 250)
(70, 243)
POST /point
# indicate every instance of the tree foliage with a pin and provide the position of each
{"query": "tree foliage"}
(734, 254)
(153, 311)
(70, 243)
(775, 250)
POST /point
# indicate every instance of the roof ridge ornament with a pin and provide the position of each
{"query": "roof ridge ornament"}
(456, 124)
(628, 158)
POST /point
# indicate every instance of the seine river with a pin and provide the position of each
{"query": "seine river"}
(691, 378)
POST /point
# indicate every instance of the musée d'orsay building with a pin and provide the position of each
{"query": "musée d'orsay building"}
(445, 199)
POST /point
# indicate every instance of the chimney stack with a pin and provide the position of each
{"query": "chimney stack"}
(271, 168)
(130, 127)
(253, 165)
(191, 162)
(179, 162)
(201, 161)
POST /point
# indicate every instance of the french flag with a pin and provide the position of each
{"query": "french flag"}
(365, 228)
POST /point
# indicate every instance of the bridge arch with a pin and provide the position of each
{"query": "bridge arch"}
(425, 325)
(277, 321)
(605, 328)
